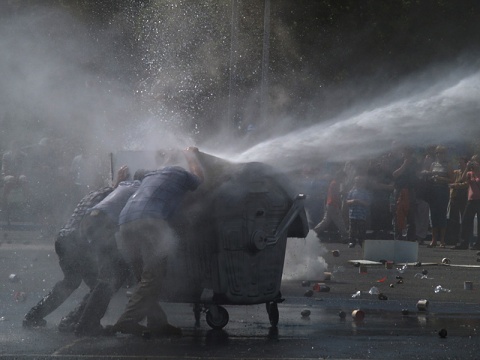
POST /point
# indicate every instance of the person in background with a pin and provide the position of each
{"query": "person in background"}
(457, 202)
(333, 208)
(405, 179)
(76, 260)
(14, 167)
(380, 183)
(358, 201)
(441, 175)
(472, 209)
(145, 234)
(314, 186)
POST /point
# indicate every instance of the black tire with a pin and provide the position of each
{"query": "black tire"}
(273, 314)
(220, 321)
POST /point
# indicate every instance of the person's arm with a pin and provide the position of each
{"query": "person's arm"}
(193, 163)
(402, 168)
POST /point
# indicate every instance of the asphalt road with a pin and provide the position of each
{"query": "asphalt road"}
(392, 328)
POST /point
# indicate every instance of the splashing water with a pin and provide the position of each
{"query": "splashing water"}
(444, 112)
(303, 259)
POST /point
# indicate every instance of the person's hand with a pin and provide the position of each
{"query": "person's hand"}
(192, 149)
(123, 173)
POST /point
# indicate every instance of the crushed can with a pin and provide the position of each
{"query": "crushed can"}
(422, 305)
(358, 314)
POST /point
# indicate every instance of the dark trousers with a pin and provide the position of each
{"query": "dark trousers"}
(472, 209)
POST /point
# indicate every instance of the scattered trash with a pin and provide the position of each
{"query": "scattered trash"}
(399, 281)
(319, 287)
(418, 264)
(357, 294)
(422, 305)
(392, 286)
(342, 314)
(443, 333)
(308, 293)
(382, 279)
(405, 312)
(402, 269)
(424, 271)
(373, 291)
(3, 318)
(305, 283)
(398, 277)
(389, 265)
(439, 289)
(422, 276)
(19, 296)
(14, 278)
(358, 314)
(305, 313)
(335, 253)
(446, 261)
(468, 285)
(382, 297)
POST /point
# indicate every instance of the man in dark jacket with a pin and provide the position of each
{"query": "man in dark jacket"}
(77, 261)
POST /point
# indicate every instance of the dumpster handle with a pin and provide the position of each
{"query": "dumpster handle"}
(287, 220)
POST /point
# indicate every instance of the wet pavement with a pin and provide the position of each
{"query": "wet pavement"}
(392, 328)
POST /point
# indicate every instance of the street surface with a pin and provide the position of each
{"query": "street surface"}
(392, 328)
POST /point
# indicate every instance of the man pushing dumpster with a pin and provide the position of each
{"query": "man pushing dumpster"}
(144, 232)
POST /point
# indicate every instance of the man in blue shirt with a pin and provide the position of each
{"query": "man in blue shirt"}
(144, 231)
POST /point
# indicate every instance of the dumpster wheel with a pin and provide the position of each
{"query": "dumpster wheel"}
(273, 315)
(217, 317)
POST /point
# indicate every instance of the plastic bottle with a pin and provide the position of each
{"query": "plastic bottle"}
(439, 289)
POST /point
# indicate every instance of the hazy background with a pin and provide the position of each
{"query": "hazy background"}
(228, 75)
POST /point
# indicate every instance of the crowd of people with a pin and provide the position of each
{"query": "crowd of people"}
(427, 195)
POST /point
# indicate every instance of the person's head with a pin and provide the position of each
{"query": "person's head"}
(360, 181)
(140, 174)
(462, 162)
(474, 163)
(441, 152)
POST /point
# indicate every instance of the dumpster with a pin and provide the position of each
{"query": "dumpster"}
(229, 239)
(231, 236)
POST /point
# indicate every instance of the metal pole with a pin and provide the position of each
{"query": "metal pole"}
(232, 118)
(265, 61)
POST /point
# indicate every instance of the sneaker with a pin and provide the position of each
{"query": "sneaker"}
(33, 323)
(66, 325)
